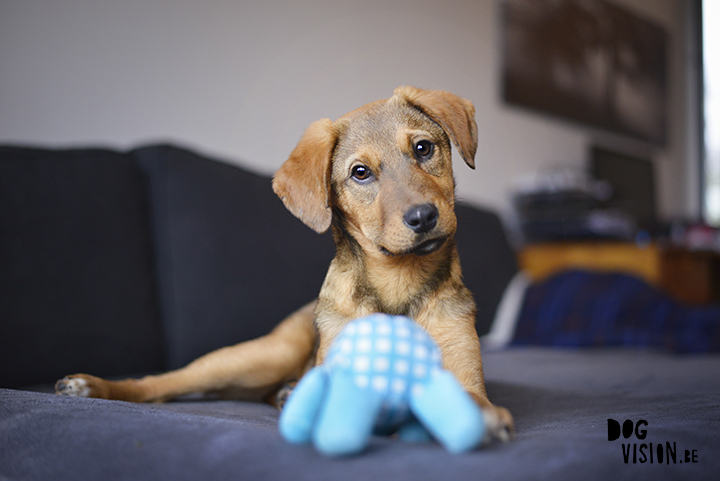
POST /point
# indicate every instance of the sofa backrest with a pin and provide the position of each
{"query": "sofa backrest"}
(488, 261)
(232, 261)
(120, 263)
(77, 285)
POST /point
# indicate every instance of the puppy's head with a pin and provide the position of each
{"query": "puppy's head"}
(385, 168)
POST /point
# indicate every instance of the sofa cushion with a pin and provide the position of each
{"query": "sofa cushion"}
(488, 261)
(561, 401)
(77, 290)
(232, 261)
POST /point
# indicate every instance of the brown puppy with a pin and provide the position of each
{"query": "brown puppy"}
(382, 177)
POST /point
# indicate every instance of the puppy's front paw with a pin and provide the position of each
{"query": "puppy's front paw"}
(498, 424)
(283, 394)
(78, 385)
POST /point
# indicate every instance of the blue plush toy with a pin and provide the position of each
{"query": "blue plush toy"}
(383, 374)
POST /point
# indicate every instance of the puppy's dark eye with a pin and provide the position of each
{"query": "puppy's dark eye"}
(424, 150)
(361, 173)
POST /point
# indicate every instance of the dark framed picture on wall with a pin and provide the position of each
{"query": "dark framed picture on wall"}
(589, 61)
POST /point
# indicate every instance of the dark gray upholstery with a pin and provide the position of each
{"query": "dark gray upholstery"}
(487, 260)
(120, 263)
(561, 401)
(77, 285)
(232, 261)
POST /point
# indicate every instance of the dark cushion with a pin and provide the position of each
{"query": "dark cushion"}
(488, 262)
(561, 400)
(77, 290)
(232, 261)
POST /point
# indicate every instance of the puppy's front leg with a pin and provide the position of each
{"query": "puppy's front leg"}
(460, 347)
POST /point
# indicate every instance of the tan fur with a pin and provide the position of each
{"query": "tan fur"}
(302, 183)
(251, 370)
(381, 264)
(456, 115)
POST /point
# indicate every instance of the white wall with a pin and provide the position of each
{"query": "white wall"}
(242, 79)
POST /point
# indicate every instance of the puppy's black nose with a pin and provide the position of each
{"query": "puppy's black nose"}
(421, 218)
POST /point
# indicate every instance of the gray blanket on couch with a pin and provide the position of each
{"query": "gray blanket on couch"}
(561, 400)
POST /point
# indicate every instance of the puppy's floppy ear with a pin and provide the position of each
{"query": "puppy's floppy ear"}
(303, 181)
(456, 116)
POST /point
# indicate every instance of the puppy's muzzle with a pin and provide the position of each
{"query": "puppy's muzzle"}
(422, 218)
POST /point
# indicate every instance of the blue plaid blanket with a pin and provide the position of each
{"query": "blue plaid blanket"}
(580, 309)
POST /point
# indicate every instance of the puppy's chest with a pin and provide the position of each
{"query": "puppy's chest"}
(364, 300)
(355, 289)
(394, 293)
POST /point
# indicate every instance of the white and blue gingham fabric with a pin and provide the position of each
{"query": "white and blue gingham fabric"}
(392, 355)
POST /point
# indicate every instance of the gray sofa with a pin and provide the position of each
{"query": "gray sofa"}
(124, 263)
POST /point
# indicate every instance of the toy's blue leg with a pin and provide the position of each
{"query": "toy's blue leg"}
(449, 413)
(414, 432)
(299, 414)
(346, 420)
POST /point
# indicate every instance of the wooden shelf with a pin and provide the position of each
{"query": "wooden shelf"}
(689, 276)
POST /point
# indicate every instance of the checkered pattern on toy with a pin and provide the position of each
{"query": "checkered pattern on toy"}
(391, 355)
